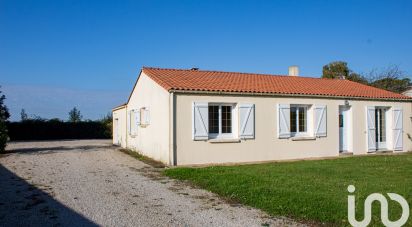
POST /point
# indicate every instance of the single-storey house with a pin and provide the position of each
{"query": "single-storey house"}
(189, 117)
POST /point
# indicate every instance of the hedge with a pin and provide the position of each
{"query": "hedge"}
(55, 130)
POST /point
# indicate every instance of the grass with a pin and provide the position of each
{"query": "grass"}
(143, 158)
(314, 191)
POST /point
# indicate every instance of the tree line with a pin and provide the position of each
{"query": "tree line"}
(390, 78)
(38, 128)
(74, 116)
(34, 127)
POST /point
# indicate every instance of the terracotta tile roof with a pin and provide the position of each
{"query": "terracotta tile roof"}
(215, 81)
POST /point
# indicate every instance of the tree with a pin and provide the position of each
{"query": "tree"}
(75, 115)
(357, 78)
(336, 70)
(340, 70)
(4, 116)
(107, 121)
(390, 79)
(23, 115)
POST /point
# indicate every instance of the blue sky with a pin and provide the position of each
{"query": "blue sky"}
(58, 54)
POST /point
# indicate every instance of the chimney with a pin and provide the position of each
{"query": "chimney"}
(293, 70)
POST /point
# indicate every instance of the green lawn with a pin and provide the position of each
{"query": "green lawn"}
(309, 190)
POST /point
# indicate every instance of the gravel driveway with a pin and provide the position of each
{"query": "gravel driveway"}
(90, 182)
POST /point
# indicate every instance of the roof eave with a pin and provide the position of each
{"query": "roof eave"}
(287, 95)
(119, 107)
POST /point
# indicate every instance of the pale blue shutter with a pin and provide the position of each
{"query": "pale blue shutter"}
(200, 121)
(283, 120)
(320, 120)
(371, 127)
(133, 123)
(397, 129)
(247, 121)
(137, 118)
(147, 115)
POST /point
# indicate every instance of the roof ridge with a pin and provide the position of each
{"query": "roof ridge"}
(244, 73)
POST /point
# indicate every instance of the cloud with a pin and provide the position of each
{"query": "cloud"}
(51, 102)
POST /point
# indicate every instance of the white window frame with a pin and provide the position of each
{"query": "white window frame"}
(221, 135)
(144, 117)
(298, 133)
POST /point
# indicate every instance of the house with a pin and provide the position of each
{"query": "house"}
(408, 92)
(188, 117)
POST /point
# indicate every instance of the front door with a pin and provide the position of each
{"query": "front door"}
(380, 132)
(343, 128)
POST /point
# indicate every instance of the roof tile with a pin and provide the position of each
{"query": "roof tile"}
(215, 81)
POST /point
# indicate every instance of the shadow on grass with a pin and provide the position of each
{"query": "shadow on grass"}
(24, 204)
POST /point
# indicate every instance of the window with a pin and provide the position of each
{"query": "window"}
(380, 124)
(220, 120)
(298, 119)
(340, 120)
(213, 119)
(226, 119)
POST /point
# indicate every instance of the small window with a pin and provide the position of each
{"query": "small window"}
(298, 119)
(220, 120)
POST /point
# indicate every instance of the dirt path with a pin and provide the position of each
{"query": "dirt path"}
(89, 183)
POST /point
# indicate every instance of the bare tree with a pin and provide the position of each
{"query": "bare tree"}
(390, 78)
(23, 115)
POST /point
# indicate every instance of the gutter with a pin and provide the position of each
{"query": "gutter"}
(118, 108)
(285, 95)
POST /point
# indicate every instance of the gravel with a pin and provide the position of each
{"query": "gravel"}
(91, 183)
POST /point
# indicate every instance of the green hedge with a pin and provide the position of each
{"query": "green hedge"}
(54, 130)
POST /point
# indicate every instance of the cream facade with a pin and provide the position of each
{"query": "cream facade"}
(148, 119)
(266, 144)
(191, 128)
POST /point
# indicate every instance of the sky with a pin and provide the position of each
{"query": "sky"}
(55, 55)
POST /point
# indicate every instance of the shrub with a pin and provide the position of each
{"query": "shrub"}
(4, 116)
(55, 130)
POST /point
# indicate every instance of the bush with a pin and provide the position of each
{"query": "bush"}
(55, 130)
(4, 116)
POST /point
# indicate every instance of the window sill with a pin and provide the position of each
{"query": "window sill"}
(303, 138)
(382, 151)
(224, 140)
